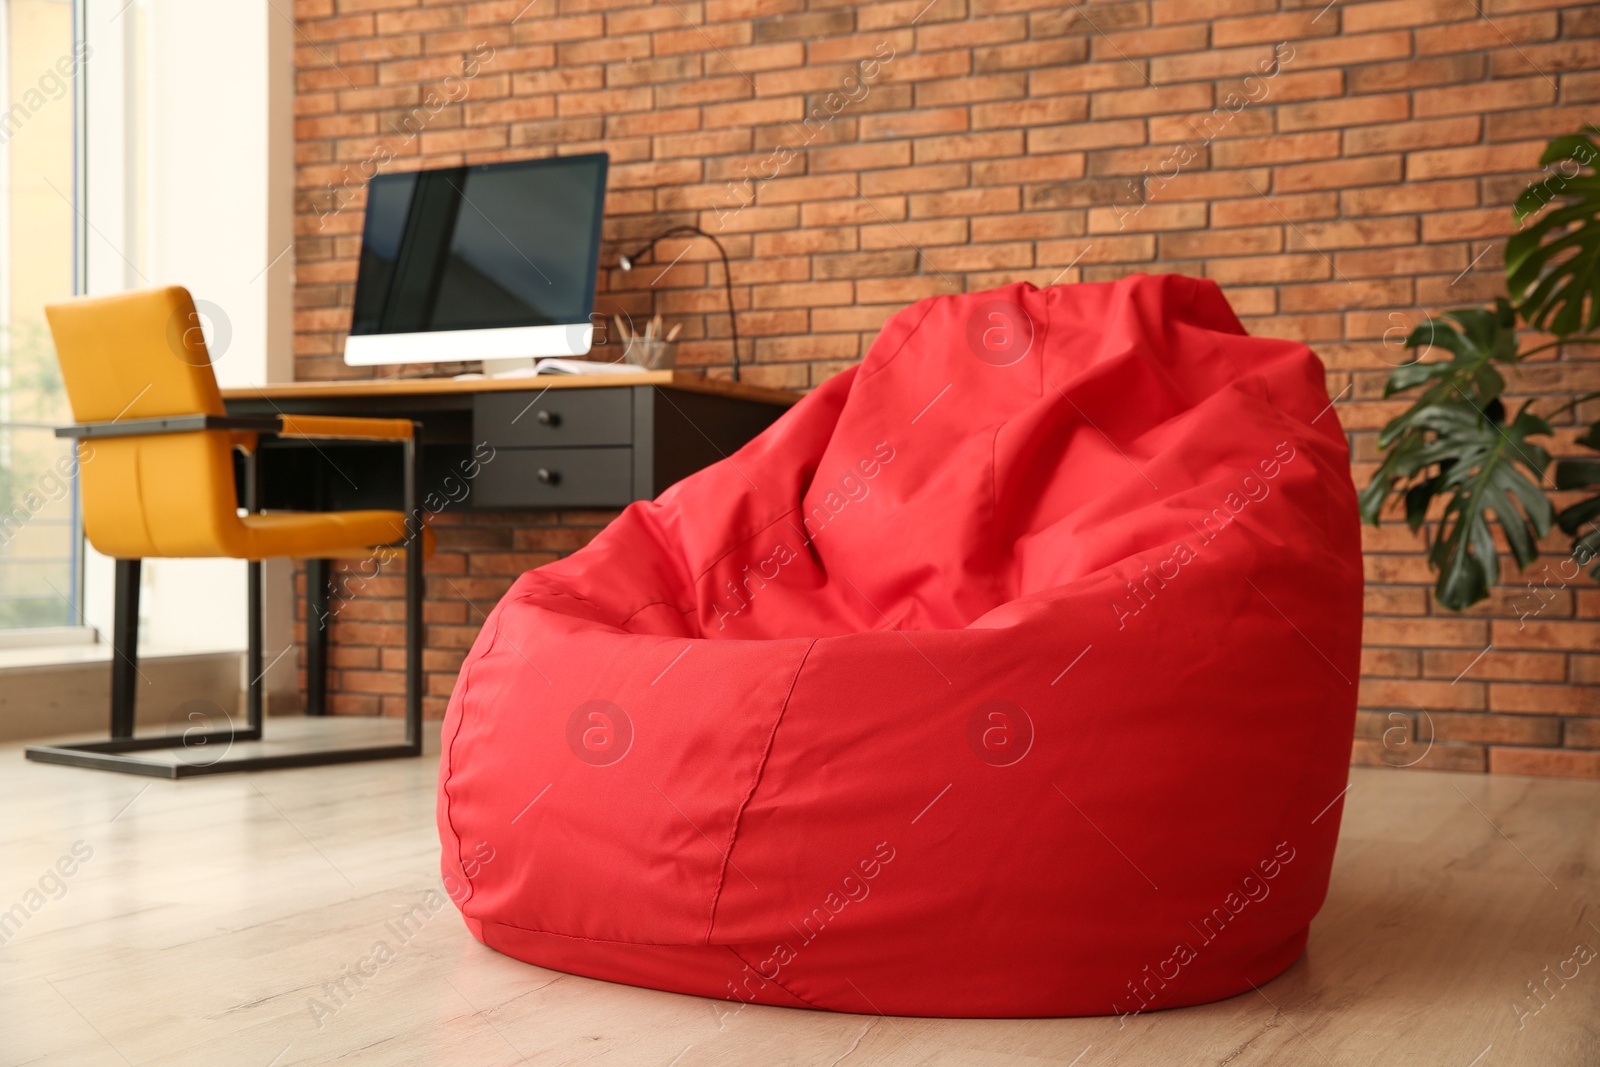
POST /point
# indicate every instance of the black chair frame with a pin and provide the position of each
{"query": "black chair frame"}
(120, 751)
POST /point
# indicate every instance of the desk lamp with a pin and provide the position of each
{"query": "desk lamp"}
(628, 261)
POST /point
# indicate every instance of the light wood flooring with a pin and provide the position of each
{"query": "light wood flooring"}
(210, 912)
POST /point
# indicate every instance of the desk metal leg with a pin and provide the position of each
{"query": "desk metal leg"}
(317, 624)
(257, 685)
(414, 593)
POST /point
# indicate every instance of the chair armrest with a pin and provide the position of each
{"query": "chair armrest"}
(326, 426)
(171, 424)
(333, 426)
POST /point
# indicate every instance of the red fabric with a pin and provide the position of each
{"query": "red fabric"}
(1010, 673)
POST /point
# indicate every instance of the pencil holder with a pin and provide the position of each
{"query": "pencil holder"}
(653, 354)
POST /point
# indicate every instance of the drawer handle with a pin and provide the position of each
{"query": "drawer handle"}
(548, 477)
(548, 418)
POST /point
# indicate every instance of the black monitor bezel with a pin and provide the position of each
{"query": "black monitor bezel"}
(541, 162)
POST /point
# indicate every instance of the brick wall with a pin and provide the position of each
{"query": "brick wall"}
(1338, 170)
(478, 555)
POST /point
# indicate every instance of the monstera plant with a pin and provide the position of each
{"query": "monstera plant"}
(1457, 443)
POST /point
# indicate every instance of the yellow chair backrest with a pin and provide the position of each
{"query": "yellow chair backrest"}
(141, 355)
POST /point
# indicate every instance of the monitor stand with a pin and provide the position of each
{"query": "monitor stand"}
(497, 368)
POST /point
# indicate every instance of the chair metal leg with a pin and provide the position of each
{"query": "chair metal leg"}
(317, 623)
(125, 649)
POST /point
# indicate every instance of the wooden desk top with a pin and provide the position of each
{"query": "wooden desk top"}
(432, 386)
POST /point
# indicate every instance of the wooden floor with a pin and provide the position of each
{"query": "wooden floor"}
(203, 918)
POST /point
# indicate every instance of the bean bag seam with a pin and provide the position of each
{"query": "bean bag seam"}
(755, 782)
(734, 546)
(591, 940)
(927, 307)
(774, 980)
(653, 604)
(993, 526)
(449, 756)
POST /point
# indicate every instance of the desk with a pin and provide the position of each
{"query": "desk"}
(560, 441)
(572, 441)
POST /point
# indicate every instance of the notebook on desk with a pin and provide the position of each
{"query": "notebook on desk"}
(555, 365)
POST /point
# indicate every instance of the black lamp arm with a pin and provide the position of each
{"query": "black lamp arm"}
(727, 277)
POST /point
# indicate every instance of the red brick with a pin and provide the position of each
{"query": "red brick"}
(1411, 73)
(1142, 42)
(1201, 244)
(1543, 634)
(1550, 762)
(1440, 756)
(1550, 699)
(1259, 209)
(1410, 197)
(1352, 111)
(1414, 693)
(1029, 56)
(1280, 268)
(1487, 159)
(1394, 14)
(1452, 258)
(1491, 729)
(1211, 64)
(1498, 96)
(1427, 633)
(1087, 77)
(1348, 49)
(931, 233)
(819, 294)
(1496, 30)
(967, 146)
(1150, 101)
(969, 33)
(966, 201)
(1392, 599)
(1389, 663)
(1337, 174)
(1582, 733)
(1270, 29)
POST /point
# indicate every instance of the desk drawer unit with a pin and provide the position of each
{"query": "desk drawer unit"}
(554, 418)
(555, 477)
(600, 445)
(555, 448)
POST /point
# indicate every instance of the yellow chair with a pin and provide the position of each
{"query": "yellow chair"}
(156, 469)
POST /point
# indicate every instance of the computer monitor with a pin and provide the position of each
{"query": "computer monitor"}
(490, 262)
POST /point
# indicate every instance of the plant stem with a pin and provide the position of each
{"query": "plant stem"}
(1558, 344)
(1568, 406)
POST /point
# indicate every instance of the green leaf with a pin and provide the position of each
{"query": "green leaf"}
(1476, 339)
(1417, 499)
(1591, 439)
(1586, 549)
(1577, 473)
(1553, 262)
(1572, 519)
(1581, 474)
(1487, 473)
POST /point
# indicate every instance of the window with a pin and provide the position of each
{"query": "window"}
(40, 543)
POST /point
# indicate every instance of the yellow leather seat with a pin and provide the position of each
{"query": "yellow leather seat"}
(308, 535)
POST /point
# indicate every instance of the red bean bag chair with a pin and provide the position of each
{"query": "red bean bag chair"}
(1010, 673)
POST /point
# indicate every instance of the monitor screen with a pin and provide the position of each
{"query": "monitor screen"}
(494, 246)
